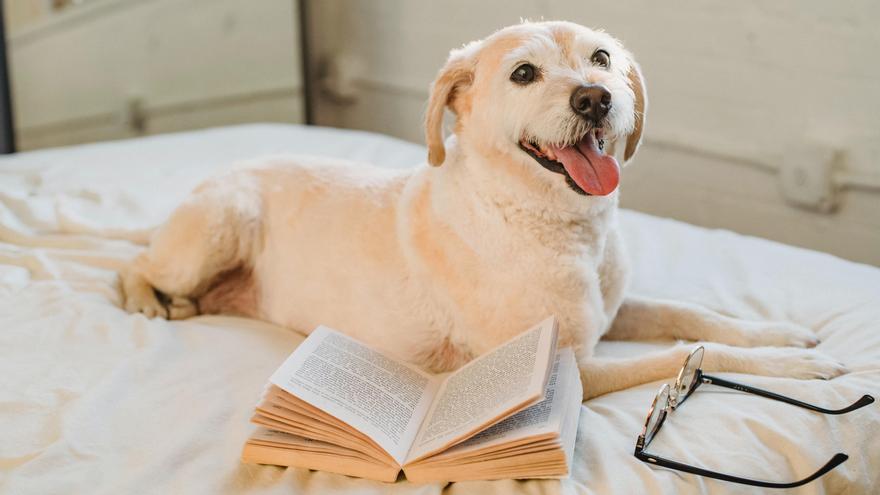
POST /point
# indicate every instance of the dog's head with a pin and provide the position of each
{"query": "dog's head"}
(552, 100)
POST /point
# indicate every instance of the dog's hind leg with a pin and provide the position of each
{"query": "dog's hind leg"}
(215, 231)
(603, 375)
(642, 318)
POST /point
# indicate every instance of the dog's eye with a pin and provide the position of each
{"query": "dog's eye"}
(601, 58)
(524, 74)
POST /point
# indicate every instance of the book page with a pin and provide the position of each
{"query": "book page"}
(488, 389)
(373, 393)
(546, 418)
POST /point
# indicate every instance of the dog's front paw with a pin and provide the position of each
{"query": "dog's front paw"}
(801, 363)
(781, 334)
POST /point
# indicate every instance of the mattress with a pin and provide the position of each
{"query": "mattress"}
(95, 400)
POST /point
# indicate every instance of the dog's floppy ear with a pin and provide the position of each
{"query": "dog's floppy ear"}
(640, 106)
(454, 77)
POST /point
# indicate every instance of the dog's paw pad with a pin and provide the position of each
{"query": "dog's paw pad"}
(783, 334)
(141, 298)
(149, 307)
(806, 364)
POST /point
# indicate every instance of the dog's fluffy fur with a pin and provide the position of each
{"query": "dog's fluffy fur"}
(441, 263)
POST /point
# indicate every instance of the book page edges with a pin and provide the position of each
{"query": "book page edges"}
(367, 445)
(546, 464)
(334, 463)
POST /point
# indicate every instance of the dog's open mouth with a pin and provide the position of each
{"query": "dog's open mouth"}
(586, 167)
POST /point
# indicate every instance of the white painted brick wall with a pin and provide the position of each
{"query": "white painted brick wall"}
(730, 83)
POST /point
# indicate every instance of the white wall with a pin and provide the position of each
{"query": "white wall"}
(737, 89)
(120, 68)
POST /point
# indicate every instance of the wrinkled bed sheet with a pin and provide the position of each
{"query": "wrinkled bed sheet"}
(94, 400)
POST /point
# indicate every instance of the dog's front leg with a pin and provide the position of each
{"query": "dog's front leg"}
(603, 375)
(643, 318)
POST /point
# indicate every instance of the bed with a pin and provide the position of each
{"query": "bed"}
(95, 400)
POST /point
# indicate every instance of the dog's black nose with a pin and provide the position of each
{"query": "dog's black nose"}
(592, 101)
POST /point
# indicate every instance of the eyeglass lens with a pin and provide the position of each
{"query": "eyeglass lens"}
(688, 376)
(655, 419)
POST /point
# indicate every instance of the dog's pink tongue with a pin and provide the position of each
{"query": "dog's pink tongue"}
(595, 172)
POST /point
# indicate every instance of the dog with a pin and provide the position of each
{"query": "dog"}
(514, 218)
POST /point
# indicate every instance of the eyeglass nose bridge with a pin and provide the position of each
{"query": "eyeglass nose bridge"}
(675, 400)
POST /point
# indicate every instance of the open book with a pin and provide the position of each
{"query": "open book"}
(337, 405)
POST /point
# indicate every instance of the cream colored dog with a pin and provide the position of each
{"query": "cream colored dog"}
(515, 220)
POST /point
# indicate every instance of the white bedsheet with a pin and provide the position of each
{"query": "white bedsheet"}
(94, 400)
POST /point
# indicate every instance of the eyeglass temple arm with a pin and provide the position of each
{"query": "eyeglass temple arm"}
(659, 461)
(864, 401)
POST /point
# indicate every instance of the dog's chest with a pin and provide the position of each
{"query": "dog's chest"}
(504, 297)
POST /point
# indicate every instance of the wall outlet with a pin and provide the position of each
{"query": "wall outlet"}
(806, 177)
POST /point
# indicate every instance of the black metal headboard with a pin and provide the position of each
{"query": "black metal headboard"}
(7, 133)
(303, 16)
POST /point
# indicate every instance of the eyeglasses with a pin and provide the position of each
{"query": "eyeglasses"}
(689, 379)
